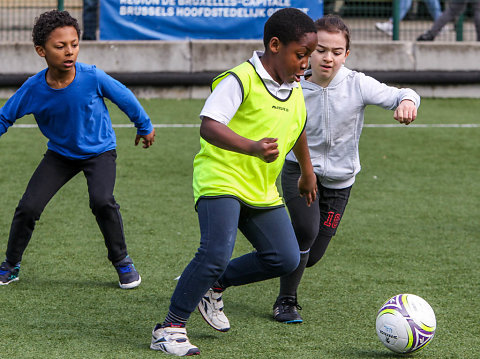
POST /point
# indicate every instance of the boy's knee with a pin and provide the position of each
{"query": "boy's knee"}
(282, 265)
(215, 262)
(217, 265)
(100, 204)
(28, 209)
(291, 263)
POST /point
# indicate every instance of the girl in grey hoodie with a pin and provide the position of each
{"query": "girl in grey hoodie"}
(335, 98)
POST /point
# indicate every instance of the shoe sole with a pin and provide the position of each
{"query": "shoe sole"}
(295, 321)
(204, 316)
(161, 348)
(194, 352)
(131, 284)
(10, 281)
(385, 32)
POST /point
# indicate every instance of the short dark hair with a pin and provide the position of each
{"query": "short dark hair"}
(288, 25)
(49, 21)
(334, 23)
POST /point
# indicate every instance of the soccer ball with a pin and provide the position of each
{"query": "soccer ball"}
(405, 323)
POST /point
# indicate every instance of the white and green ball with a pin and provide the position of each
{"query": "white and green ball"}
(405, 323)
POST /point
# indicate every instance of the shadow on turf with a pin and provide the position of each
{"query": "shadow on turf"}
(43, 283)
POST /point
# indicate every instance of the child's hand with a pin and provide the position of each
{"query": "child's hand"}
(406, 112)
(266, 149)
(307, 185)
(148, 140)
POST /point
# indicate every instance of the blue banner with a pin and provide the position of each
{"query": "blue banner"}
(193, 19)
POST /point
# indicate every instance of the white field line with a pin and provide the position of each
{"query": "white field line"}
(126, 125)
(190, 125)
(426, 125)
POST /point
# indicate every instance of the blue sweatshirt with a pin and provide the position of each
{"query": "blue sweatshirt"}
(75, 119)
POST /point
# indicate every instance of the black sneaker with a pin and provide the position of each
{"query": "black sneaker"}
(285, 311)
(427, 36)
(127, 274)
(8, 273)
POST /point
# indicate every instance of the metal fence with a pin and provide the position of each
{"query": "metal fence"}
(370, 20)
(17, 16)
(365, 18)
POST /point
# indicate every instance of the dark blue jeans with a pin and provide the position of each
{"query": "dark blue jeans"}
(51, 174)
(268, 230)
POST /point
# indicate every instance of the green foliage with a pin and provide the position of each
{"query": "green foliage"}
(411, 226)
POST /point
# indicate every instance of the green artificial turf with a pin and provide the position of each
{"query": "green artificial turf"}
(411, 226)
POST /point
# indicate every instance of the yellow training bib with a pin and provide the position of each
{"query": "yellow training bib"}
(218, 172)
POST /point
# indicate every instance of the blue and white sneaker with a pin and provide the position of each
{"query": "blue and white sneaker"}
(211, 309)
(172, 340)
(285, 311)
(127, 274)
(8, 273)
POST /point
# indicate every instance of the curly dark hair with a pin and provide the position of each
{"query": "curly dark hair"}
(49, 21)
(333, 24)
(288, 25)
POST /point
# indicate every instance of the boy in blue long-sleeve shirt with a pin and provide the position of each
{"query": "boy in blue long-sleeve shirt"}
(66, 100)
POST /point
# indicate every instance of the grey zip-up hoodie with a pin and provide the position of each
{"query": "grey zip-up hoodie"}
(335, 116)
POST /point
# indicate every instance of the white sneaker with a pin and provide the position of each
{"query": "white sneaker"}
(172, 340)
(446, 29)
(211, 309)
(386, 27)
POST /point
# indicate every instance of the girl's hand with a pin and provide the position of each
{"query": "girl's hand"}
(307, 186)
(406, 112)
(266, 149)
(148, 140)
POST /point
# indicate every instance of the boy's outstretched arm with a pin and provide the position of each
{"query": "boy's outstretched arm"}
(406, 112)
(148, 140)
(307, 183)
(222, 136)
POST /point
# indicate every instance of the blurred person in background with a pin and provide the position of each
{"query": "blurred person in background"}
(433, 7)
(333, 6)
(455, 9)
(90, 19)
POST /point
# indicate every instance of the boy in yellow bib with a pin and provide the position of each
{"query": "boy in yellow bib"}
(253, 118)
